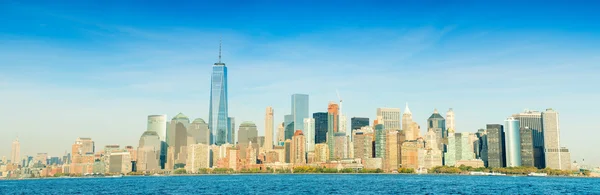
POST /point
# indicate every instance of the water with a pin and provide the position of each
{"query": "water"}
(306, 184)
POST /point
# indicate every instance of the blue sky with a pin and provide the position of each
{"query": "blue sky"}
(97, 69)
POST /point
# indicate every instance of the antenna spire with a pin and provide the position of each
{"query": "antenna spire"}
(220, 43)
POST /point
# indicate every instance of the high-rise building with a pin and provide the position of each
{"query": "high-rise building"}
(410, 153)
(288, 150)
(321, 126)
(158, 124)
(177, 138)
(269, 124)
(380, 138)
(407, 121)
(437, 124)
(199, 131)
(482, 148)
(198, 157)
(246, 133)
(552, 153)
(533, 120)
(391, 118)
(298, 152)
(332, 127)
(82, 161)
(119, 162)
(358, 122)
(340, 146)
(459, 148)
(299, 111)
(363, 142)
(288, 121)
(231, 129)
(393, 145)
(149, 151)
(450, 119)
(280, 134)
(512, 142)
(309, 130)
(495, 144)
(527, 156)
(15, 152)
(321, 152)
(429, 155)
(218, 110)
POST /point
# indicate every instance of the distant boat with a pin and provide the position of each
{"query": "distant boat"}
(117, 176)
(533, 174)
(485, 173)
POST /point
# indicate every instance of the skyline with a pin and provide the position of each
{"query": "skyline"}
(93, 77)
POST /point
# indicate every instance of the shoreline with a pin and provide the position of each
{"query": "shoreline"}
(240, 174)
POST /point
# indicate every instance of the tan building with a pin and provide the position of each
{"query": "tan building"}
(321, 153)
(148, 152)
(374, 163)
(198, 157)
(363, 145)
(269, 124)
(298, 152)
(280, 134)
(410, 153)
(15, 152)
(280, 153)
(341, 146)
(119, 162)
(391, 118)
(406, 123)
(393, 145)
(82, 156)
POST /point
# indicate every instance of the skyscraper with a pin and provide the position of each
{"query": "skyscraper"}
(512, 142)
(288, 121)
(363, 142)
(218, 111)
(299, 110)
(495, 144)
(358, 122)
(231, 129)
(246, 133)
(199, 131)
(309, 126)
(177, 137)
(298, 152)
(158, 124)
(149, 151)
(320, 127)
(482, 147)
(533, 121)
(391, 118)
(15, 152)
(380, 138)
(450, 119)
(269, 124)
(332, 127)
(527, 157)
(280, 134)
(551, 126)
(406, 122)
(437, 124)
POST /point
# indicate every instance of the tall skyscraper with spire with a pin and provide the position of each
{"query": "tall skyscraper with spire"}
(269, 124)
(218, 111)
(406, 124)
(15, 155)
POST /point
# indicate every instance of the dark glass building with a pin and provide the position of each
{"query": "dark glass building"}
(358, 122)
(527, 159)
(320, 127)
(495, 144)
(533, 121)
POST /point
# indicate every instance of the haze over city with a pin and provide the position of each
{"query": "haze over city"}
(69, 71)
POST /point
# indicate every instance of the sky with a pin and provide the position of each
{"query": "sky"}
(97, 69)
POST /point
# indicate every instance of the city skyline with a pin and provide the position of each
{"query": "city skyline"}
(101, 77)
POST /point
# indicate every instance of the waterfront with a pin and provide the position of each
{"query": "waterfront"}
(306, 184)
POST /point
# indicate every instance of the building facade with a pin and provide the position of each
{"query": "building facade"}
(527, 156)
(309, 130)
(552, 149)
(298, 152)
(512, 142)
(533, 121)
(299, 110)
(495, 144)
(380, 138)
(437, 124)
(321, 126)
(390, 117)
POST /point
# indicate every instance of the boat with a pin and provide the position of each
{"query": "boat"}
(533, 174)
(496, 174)
(486, 173)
